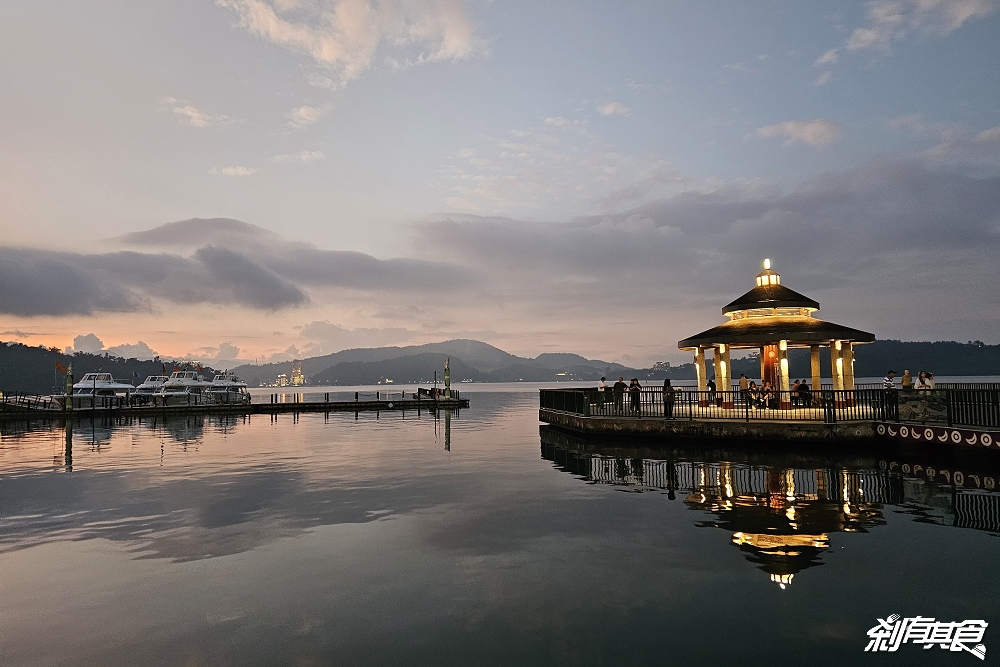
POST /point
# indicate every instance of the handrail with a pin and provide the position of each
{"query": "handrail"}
(970, 407)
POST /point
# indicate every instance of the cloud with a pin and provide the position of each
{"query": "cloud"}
(828, 58)
(86, 343)
(345, 36)
(853, 235)
(822, 79)
(325, 337)
(236, 170)
(304, 157)
(226, 352)
(556, 167)
(139, 350)
(45, 282)
(893, 20)
(990, 135)
(42, 282)
(818, 132)
(301, 263)
(193, 116)
(250, 284)
(613, 109)
(305, 116)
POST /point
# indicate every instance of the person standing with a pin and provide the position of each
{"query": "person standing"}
(668, 400)
(713, 390)
(889, 381)
(634, 391)
(619, 392)
(744, 387)
(891, 401)
(906, 381)
(921, 381)
(795, 393)
(602, 388)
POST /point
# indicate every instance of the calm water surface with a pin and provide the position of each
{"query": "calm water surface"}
(474, 540)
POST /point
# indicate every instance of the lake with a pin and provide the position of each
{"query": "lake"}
(475, 539)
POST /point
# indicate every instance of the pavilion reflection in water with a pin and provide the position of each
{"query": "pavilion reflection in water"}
(781, 509)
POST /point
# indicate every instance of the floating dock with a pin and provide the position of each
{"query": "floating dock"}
(16, 412)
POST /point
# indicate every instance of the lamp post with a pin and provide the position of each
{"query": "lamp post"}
(69, 387)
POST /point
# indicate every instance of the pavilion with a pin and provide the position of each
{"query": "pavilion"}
(772, 319)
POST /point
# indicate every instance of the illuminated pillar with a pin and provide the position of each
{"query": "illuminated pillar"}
(848, 354)
(837, 365)
(723, 376)
(763, 354)
(783, 384)
(699, 367)
(817, 377)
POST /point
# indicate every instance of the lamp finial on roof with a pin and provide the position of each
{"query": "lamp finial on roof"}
(767, 276)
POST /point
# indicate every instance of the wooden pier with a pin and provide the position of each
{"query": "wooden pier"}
(12, 412)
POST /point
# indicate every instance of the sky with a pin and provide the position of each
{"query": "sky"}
(274, 179)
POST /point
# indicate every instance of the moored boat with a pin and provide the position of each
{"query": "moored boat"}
(182, 387)
(226, 388)
(143, 394)
(101, 390)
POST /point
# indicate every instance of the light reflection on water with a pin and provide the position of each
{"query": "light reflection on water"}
(397, 539)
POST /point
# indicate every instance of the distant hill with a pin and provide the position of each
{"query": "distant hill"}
(409, 369)
(33, 369)
(480, 361)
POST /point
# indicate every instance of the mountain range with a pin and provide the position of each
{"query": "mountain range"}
(33, 369)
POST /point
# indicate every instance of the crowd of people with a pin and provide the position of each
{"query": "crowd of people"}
(924, 380)
(750, 394)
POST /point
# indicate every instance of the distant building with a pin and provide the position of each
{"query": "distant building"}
(282, 381)
(661, 365)
(297, 379)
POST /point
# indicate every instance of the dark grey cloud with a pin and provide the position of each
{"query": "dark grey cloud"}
(301, 262)
(250, 283)
(896, 241)
(44, 282)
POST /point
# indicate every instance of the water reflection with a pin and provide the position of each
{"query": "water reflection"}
(782, 507)
(173, 488)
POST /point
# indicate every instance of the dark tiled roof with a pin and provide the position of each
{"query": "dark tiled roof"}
(769, 330)
(771, 296)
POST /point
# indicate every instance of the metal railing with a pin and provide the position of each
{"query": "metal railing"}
(651, 402)
(974, 407)
(24, 401)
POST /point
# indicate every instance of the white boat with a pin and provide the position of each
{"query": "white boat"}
(100, 390)
(143, 394)
(227, 388)
(182, 387)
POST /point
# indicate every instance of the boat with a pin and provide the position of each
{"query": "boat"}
(143, 394)
(226, 388)
(182, 387)
(100, 390)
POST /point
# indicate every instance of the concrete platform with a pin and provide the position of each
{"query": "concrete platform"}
(790, 431)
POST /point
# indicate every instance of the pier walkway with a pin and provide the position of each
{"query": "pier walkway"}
(30, 407)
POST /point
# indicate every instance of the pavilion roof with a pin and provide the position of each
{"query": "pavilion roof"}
(757, 331)
(771, 296)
